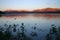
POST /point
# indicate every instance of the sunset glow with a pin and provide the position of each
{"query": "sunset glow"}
(28, 4)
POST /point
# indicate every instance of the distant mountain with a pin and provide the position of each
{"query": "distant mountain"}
(1, 12)
(47, 10)
(44, 10)
(17, 11)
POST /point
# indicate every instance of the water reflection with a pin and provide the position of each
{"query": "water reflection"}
(30, 27)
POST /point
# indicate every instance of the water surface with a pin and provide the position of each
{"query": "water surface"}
(42, 22)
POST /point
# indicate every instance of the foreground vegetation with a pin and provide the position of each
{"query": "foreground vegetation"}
(6, 34)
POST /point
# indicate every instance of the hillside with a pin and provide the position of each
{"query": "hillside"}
(44, 10)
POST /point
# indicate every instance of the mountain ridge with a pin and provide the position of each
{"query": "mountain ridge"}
(35, 10)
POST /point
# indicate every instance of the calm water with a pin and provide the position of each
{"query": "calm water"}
(42, 22)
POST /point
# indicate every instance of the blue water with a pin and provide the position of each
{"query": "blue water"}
(42, 22)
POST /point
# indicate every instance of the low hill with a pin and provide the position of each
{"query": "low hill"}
(44, 10)
(47, 10)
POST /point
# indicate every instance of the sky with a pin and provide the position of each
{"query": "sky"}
(28, 4)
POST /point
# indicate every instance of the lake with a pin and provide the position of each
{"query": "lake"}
(41, 22)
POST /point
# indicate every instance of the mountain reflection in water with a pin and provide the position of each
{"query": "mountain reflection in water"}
(30, 27)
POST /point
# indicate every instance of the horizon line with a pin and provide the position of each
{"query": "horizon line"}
(27, 9)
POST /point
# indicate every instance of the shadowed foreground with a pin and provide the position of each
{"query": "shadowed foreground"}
(6, 34)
